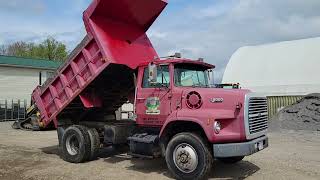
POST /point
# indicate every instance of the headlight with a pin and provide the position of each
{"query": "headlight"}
(217, 127)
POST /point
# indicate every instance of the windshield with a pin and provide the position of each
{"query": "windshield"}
(190, 75)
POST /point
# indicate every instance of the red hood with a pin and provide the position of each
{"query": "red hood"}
(230, 97)
(223, 105)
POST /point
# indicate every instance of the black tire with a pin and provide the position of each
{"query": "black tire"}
(95, 143)
(199, 146)
(231, 160)
(60, 132)
(76, 145)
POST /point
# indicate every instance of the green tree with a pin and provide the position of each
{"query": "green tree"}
(50, 49)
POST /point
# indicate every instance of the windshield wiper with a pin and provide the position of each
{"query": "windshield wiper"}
(199, 85)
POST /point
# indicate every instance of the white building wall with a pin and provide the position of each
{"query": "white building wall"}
(18, 83)
(288, 68)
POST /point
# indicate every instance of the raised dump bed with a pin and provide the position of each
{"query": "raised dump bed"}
(100, 72)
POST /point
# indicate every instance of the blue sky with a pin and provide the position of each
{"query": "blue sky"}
(212, 29)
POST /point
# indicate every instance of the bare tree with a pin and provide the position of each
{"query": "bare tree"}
(18, 49)
(3, 50)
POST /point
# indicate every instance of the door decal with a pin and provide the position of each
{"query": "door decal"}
(152, 105)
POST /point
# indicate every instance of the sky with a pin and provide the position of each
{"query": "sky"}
(211, 29)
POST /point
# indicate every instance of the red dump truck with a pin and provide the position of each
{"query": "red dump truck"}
(177, 115)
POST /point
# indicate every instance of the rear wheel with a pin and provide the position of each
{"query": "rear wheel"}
(188, 156)
(60, 132)
(76, 145)
(231, 160)
(95, 143)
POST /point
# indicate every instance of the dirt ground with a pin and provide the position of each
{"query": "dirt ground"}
(33, 155)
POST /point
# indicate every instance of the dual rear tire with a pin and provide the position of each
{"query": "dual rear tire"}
(78, 144)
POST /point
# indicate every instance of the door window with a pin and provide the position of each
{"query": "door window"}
(163, 77)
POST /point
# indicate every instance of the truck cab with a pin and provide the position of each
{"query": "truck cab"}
(177, 116)
(187, 118)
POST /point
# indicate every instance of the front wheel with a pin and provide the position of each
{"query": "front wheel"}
(188, 156)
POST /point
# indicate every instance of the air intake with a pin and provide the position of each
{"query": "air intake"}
(194, 100)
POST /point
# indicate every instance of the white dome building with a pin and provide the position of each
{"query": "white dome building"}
(281, 69)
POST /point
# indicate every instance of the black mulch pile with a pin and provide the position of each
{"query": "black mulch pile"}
(303, 115)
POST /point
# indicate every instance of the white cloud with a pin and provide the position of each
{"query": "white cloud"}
(23, 22)
(213, 30)
(79, 5)
(23, 6)
(220, 8)
(157, 34)
(216, 30)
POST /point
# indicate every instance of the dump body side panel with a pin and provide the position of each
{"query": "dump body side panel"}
(116, 34)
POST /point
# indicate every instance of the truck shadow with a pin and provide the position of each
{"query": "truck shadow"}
(50, 150)
(240, 170)
(220, 170)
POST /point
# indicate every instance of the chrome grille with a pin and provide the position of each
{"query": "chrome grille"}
(257, 114)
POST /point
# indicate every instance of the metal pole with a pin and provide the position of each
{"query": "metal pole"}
(25, 109)
(12, 109)
(5, 109)
(0, 112)
(18, 118)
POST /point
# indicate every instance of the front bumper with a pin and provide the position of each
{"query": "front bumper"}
(240, 149)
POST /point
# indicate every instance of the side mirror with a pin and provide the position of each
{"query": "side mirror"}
(152, 68)
(211, 77)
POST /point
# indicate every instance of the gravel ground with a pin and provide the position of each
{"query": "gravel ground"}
(33, 155)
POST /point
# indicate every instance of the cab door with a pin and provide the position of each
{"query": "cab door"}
(153, 101)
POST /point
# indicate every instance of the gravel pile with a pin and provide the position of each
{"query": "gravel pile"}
(303, 115)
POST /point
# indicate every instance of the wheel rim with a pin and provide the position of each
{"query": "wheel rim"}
(72, 145)
(185, 158)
